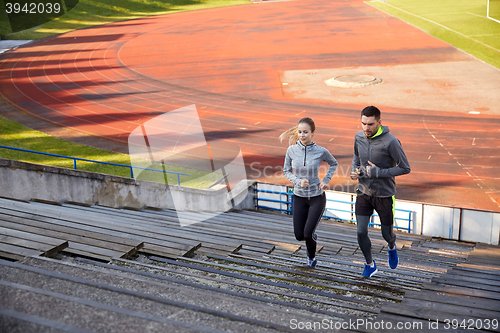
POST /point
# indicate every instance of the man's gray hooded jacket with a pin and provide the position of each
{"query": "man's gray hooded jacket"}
(385, 151)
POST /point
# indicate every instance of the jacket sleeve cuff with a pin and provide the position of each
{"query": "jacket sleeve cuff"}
(374, 172)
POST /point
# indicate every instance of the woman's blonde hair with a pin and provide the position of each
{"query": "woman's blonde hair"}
(293, 133)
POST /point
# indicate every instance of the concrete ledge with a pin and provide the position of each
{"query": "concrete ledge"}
(26, 181)
(7, 45)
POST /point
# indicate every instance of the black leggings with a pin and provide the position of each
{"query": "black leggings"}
(364, 241)
(306, 215)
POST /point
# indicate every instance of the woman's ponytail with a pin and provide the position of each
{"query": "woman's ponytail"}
(292, 134)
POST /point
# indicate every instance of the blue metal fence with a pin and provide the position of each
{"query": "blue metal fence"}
(289, 204)
(99, 162)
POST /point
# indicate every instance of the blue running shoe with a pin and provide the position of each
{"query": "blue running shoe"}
(393, 257)
(370, 271)
(312, 262)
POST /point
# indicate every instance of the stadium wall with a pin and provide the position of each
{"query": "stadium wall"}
(26, 181)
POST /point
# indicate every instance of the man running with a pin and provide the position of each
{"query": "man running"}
(378, 158)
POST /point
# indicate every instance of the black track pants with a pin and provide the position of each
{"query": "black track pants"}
(306, 215)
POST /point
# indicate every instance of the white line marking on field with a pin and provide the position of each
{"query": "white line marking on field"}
(469, 174)
(443, 26)
(477, 15)
(474, 141)
(485, 35)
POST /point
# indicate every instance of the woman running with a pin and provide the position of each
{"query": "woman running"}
(309, 200)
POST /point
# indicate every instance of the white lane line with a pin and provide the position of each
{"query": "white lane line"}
(463, 166)
(474, 141)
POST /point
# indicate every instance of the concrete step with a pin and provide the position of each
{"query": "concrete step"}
(83, 313)
(18, 322)
(280, 295)
(190, 304)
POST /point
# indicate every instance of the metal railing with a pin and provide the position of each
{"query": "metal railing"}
(289, 208)
(99, 162)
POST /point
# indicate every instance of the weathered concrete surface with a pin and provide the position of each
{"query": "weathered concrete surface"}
(425, 86)
(25, 181)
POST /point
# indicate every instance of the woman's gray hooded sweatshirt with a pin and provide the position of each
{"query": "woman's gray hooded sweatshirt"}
(305, 162)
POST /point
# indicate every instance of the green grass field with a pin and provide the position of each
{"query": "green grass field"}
(94, 12)
(15, 135)
(461, 23)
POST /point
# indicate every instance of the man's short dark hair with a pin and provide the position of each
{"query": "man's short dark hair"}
(371, 111)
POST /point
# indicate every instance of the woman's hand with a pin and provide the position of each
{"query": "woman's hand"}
(304, 183)
(323, 186)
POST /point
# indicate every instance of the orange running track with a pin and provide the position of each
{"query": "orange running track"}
(107, 80)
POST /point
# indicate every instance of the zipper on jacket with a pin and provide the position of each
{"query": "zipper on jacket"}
(305, 154)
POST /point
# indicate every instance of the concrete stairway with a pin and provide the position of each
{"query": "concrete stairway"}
(74, 268)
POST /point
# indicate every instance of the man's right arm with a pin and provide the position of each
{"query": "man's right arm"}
(355, 167)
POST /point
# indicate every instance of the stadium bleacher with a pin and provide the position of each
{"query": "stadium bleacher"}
(79, 268)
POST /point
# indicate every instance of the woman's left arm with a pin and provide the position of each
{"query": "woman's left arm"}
(328, 158)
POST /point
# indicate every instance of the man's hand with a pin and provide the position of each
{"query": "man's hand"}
(304, 183)
(355, 174)
(368, 167)
(323, 186)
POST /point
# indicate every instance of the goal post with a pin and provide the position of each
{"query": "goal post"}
(493, 10)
